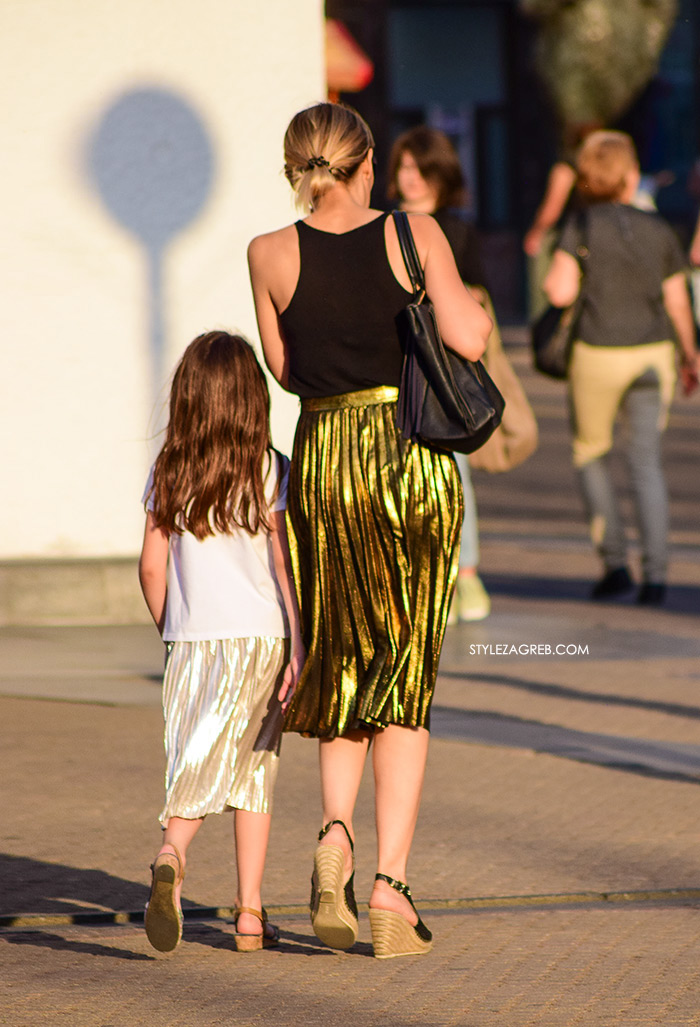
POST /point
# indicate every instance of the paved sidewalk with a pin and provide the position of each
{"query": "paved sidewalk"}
(559, 874)
(556, 855)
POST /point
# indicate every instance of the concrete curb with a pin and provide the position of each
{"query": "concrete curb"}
(98, 919)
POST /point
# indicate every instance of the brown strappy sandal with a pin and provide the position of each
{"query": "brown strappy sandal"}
(163, 916)
(269, 937)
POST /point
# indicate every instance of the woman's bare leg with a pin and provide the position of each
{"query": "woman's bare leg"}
(400, 755)
(342, 761)
(252, 831)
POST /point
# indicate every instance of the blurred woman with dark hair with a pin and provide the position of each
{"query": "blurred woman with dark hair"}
(426, 177)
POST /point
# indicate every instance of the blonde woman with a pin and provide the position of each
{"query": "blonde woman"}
(375, 518)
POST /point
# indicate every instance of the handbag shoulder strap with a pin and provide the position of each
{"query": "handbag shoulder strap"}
(409, 253)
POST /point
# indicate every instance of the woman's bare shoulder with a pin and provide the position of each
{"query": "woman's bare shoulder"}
(427, 233)
(263, 246)
(424, 226)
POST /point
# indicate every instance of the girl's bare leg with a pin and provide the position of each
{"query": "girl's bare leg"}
(252, 831)
(178, 835)
(400, 755)
(342, 761)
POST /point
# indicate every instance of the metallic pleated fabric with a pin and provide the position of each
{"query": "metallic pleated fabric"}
(374, 532)
(222, 725)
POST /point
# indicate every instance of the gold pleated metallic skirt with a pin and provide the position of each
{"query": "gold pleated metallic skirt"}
(374, 532)
(222, 726)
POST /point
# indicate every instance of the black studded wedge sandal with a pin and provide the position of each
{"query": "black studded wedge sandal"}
(392, 935)
(333, 907)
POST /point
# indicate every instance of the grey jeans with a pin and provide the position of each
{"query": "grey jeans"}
(641, 408)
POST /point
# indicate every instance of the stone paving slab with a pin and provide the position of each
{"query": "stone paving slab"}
(551, 967)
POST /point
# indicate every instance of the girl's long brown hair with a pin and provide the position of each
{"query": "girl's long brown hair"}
(209, 474)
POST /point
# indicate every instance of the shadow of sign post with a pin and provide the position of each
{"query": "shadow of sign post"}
(153, 164)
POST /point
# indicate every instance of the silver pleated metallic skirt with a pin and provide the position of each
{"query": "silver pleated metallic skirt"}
(222, 726)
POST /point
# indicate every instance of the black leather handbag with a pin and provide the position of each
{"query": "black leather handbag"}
(445, 401)
(552, 337)
(552, 334)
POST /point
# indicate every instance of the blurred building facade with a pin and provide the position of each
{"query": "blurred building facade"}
(146, 152)
(467, 67)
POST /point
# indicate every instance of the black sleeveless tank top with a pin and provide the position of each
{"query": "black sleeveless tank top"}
(339, 327)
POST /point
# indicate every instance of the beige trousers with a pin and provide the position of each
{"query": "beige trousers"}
(599, 377)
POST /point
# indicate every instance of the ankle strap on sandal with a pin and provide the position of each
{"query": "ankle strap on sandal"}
(260, 914)
(324, 831)
(399, 886)
(396, 885)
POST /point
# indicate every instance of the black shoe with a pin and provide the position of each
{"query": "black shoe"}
(652, 594)
(615, 583)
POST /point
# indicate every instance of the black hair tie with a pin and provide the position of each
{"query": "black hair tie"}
(318, 162)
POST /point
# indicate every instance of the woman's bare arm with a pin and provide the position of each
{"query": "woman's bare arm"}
(677, 304)
(695, 245)
(464, 324)
(563, 281)
(261, 263)
(560, 182)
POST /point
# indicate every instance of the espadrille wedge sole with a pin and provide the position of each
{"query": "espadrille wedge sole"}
(333, 908)
(163, 917)
(392, 935)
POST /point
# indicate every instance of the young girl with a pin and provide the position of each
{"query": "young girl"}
(216, 575)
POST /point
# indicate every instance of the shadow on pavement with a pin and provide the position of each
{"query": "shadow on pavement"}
(683, 599)
(636, 755)
(290, 941)
(43, 940)
(57, 889)
(576, 694)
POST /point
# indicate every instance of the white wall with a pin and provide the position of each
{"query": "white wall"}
(76, 400)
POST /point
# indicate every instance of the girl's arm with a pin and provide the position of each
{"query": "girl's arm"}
(677, 304)
(563, 281)
(464, 324)
(152, 567)
(283, 571)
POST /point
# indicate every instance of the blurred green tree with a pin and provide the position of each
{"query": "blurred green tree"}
(595, 56)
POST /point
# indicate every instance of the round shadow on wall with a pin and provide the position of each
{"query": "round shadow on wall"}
(153, 165)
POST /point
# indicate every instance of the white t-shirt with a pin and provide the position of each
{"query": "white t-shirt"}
(224, 586)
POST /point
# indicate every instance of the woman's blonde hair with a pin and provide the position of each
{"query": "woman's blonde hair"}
(324, 144)
(603, 163)
(209, 475)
